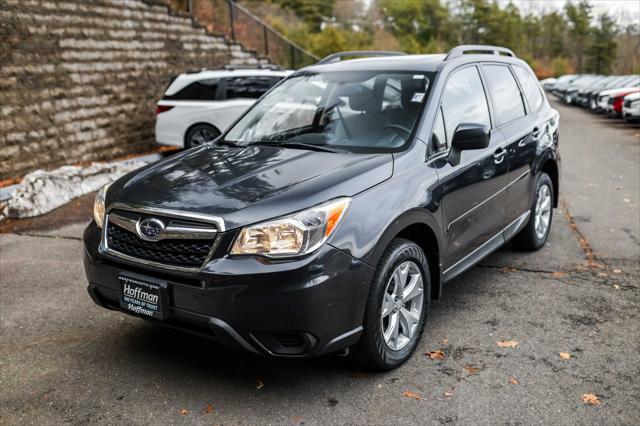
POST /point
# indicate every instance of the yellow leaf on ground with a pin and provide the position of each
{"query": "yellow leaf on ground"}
(565, 355)
(184, 411)
(208, 409)
(507, 344)
(471, 369)
(438, 355)
(259, 384)
(558, 274)
(514, 381)
(591, 399)
(410, 394)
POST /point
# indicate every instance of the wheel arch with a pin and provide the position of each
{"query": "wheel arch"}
(419, 227)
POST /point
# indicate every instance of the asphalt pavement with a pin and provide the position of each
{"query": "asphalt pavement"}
(63, 360)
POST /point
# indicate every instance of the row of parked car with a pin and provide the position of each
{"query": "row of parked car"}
(615, 95)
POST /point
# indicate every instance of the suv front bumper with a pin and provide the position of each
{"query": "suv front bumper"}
(304, 307)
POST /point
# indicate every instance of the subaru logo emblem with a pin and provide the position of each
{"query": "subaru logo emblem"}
(150, 229)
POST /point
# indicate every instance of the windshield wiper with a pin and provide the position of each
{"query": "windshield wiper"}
(300, 145)
(228, 143)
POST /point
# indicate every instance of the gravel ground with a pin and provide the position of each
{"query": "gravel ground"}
(64, 360)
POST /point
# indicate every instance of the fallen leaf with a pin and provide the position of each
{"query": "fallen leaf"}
(591, 399)
(208, 409)
(184, 411)
(444, 341)
(603, 274)
(448, 394)
(259, 384)
(507, 269)
(297, 419)
(437, 355)
(514, 381)
(507, 344)
(565, 355)
(410, 394)
(558, 274)
(617, 271)
(471, 369)
(616, 286)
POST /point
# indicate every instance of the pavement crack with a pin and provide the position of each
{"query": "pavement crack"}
(592, 261)
(519, 269)
(55, 237)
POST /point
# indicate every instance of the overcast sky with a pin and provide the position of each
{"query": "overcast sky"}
(625, 11)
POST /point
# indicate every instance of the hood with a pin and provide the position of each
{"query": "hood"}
(250, 184)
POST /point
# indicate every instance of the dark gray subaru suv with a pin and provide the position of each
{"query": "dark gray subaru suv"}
(332, 212)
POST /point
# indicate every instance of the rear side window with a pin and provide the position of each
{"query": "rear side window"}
(251, 87)
(530, 86)
(202, 90)
(464, 101)
(505, 93)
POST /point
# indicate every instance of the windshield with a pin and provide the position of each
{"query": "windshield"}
(354, 110)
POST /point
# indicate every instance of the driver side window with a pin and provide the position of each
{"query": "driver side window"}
(464, 101)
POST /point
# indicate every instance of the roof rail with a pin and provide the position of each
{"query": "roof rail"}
(272, 67)
(461, 50)
(336, 57)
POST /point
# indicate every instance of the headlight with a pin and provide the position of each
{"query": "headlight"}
(99, 206)
(297, 234)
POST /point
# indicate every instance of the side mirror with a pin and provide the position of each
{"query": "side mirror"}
(467, 136)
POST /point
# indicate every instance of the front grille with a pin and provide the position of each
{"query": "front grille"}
(188, 252)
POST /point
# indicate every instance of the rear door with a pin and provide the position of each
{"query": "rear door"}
(472, 192)
(520, 133)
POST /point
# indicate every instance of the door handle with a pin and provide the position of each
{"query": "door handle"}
(522, 142)
(498, 156)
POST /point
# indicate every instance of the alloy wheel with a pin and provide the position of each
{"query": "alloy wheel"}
(202, 135)
(402, 305)
(542, 211)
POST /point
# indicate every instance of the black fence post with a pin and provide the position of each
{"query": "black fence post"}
(232, 13)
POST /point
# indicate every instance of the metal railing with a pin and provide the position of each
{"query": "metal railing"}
(241, 26)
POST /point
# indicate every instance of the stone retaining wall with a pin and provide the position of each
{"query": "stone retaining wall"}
(79, 79)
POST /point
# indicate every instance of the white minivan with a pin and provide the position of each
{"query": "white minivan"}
(198, 106)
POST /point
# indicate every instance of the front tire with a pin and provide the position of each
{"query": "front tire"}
(535, 234)
(397, 307)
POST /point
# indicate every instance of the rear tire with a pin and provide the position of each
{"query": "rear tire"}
(535, 234)
(199, 134)
(398, 304)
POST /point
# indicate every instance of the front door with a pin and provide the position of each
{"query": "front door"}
(472, 192)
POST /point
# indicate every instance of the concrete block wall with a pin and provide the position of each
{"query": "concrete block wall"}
(79, 79)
